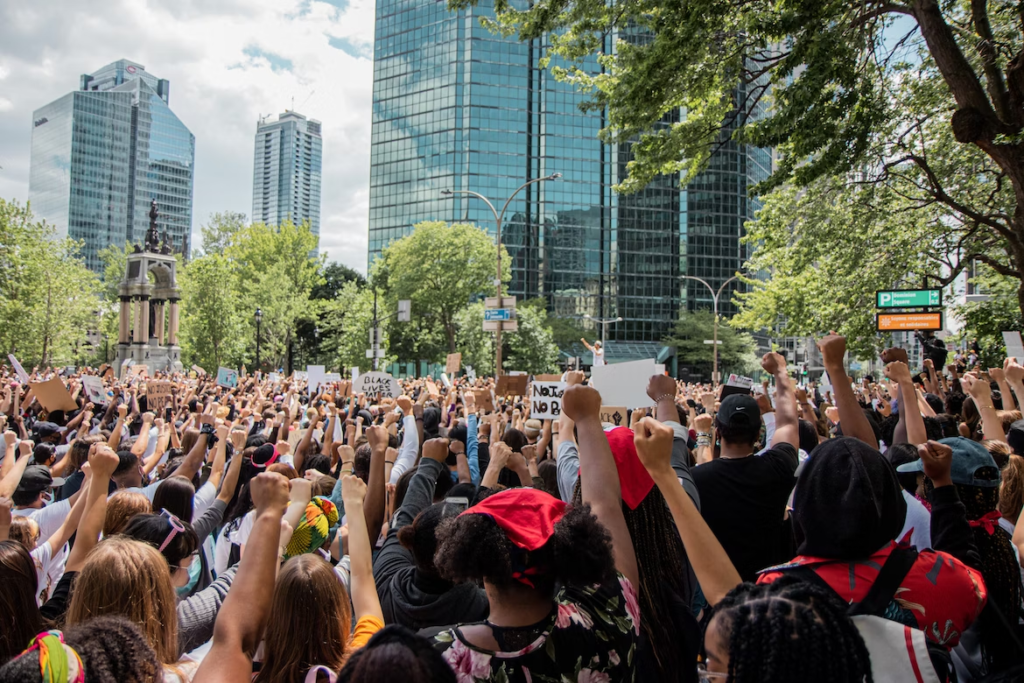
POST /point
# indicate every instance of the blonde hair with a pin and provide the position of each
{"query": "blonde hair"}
(121, 507)
(128, 578)
(25, 531)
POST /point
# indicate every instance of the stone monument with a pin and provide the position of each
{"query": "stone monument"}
(148, 331)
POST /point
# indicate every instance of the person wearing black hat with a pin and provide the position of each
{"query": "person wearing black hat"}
(33, 498)
(743, 496)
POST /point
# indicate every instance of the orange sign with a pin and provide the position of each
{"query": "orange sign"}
(908, 322)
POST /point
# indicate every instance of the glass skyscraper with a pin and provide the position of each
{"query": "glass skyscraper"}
(457, 107)
(286, 171)
(102, 153)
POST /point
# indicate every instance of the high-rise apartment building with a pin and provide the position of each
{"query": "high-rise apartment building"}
(457, 107)
(103, 153)
(286, 171)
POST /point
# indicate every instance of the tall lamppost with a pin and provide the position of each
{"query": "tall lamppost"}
(497, 223)
(714, 297)
(604, 323)
(259, 319)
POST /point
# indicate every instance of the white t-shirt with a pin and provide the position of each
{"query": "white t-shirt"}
(49, 569)
(48, 518)
(599, 356)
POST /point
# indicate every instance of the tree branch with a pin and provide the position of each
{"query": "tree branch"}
(986, 49)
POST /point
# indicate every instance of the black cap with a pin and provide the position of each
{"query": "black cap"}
(739, 410)
(45, 429)
(36, 479)
(1015, 437)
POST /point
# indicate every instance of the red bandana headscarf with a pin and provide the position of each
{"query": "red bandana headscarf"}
(527, 516)
(634, 479)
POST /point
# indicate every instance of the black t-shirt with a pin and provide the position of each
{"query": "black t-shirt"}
(743, 500)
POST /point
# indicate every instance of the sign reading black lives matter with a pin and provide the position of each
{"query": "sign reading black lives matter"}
(546, 400)
(378, 385)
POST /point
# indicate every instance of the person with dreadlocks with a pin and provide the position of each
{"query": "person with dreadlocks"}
(992, 644)
(786, 632)
(669, 633)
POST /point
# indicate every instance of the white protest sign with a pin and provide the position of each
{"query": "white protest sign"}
(94, 389)
(22, 375)
(625, 384)
(377, 384)
(355, 374)
(546, 400)
(317, 376)
(470, 373)
(300, 375)
(274, 377)
(332, 377)
(445, 381)
(1014, 346)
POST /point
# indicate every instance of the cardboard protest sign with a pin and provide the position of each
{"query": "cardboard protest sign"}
(22, 375)
(94, 389)
(158, 396)
(198, 370)
(615, 415)
(316, 375)
(511, 385)
(53, 395)
(547, 378)
(453, 363)
(227, 378)
(432, 389)
(137, 372)
(546, 400)
(378, 384)
(625, 384)
(105, 370)
(484, 399)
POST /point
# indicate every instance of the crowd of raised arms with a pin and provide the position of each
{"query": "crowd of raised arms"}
(851, 531)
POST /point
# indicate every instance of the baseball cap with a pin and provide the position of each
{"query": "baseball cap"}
(45, 429)
(972, 464)
(37, 478)
(739, 410)
(1015, 437)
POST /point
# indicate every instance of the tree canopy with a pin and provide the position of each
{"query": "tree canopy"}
(930, 106)
(737, 351)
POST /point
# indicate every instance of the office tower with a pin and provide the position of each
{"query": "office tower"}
(286, 171)
(456, 107)
(103, 153)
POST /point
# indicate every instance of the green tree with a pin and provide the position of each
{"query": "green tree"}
(220, 231)
(212, 323)
(439, 267)
(333, 276)
(347, 323)
(531, 349)
(820, 82)
(48, 298)
(987, 320)
(737, 351)
(274, 271)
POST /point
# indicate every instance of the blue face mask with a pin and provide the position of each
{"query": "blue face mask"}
(194, 570)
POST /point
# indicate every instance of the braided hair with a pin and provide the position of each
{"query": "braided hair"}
(1001, 572)
(790, 631)
(665, 580)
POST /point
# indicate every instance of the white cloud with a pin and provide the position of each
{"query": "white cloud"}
(228, 62)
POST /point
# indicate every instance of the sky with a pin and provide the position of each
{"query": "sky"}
(228, 62)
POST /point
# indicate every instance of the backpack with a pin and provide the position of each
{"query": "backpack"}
(898, 652)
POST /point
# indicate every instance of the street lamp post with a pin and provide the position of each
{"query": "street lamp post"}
(497, 224)
(714, 297)
(259, 319)
(604, 323)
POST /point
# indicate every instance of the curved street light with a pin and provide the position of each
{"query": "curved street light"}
(715, 296)
(498, 217)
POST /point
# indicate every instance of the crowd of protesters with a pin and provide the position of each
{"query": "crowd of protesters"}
(275, 532)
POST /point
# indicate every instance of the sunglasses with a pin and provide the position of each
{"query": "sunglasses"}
(177, 527)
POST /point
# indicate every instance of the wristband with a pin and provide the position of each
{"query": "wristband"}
(665, 397)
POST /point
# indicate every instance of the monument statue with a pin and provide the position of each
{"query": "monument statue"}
(152, 236)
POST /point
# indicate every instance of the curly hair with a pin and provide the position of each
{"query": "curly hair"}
(790, 631)
(473, 548)
(112, 649)
(396, 653)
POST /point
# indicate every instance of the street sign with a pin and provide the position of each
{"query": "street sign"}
(404, 310)
(908, 298)
(712, 341)
(504, 302)
(506, 326)
(908, 322)
(498, 314)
